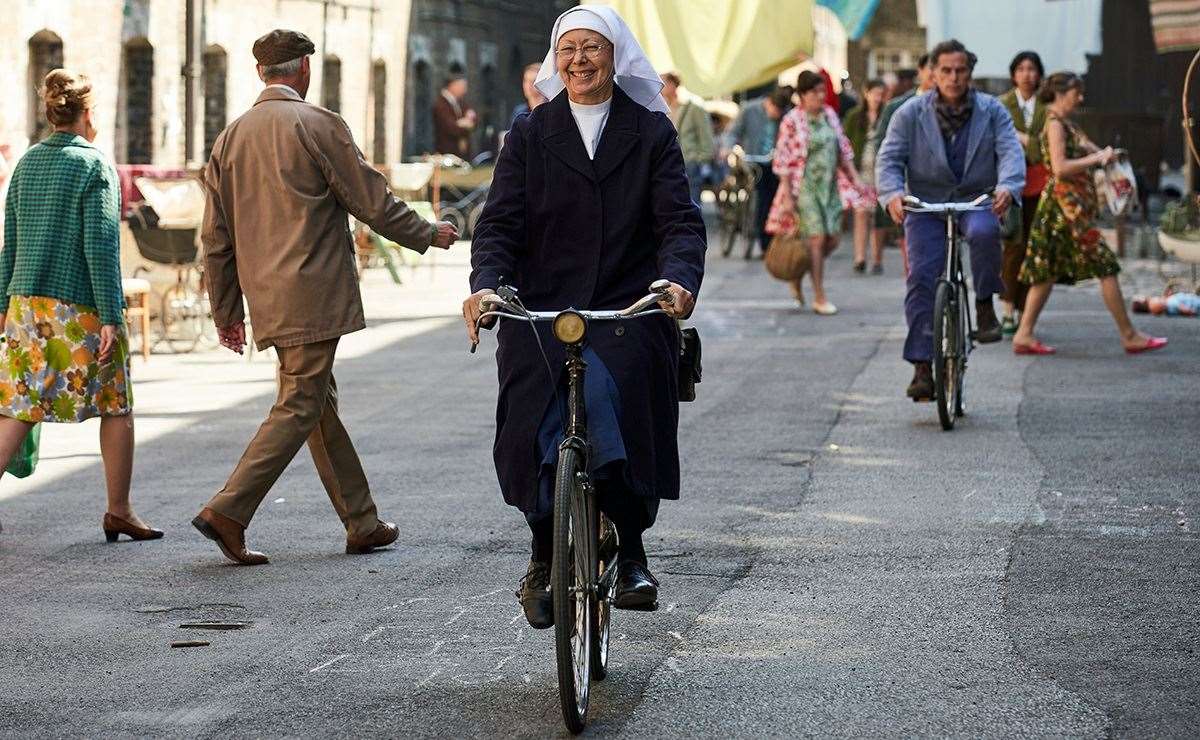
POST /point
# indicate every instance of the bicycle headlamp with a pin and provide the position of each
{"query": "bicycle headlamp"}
(569, 327)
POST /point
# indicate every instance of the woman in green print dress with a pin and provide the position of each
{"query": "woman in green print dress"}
(1064, 244)
(65, 351)
(817, 179)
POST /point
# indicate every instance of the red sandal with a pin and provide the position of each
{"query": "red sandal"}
(1037, 348)
(1152, 343)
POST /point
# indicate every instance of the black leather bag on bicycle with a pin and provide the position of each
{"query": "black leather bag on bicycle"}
(689, 363)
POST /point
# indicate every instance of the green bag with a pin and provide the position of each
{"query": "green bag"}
(23, 463)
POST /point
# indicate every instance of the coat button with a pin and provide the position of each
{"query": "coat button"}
(619, 331)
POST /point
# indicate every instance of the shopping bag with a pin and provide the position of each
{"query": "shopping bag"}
(23, 463)
(787, 257)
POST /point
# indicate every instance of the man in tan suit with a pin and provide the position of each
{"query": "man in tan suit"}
(280, 183)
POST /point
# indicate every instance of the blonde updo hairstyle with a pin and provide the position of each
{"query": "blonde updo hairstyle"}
(67, 95)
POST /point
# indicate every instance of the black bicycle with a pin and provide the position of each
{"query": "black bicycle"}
(953, 339)
(583, 571)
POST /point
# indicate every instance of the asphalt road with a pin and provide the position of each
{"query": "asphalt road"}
(838, 565)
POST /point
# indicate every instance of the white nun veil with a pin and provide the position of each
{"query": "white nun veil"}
(634, 73)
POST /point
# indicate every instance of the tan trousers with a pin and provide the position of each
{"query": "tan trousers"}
(305, 410)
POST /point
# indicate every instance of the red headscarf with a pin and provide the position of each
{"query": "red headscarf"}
(831, 97)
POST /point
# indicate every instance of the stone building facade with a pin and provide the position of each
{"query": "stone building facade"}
(893, 41)
(489, 41)
(135, 51)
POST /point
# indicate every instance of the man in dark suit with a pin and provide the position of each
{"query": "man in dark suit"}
(453, 119)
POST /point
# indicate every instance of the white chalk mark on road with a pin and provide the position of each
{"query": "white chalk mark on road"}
(328, 663)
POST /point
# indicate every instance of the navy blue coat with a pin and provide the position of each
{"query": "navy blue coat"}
(567, 231)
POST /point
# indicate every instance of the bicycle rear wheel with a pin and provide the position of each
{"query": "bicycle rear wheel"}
(946, 344)
(572, 582)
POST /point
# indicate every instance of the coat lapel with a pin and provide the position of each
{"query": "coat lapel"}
(562, 137)
(932, 133)
(619, 136)
(975, 132)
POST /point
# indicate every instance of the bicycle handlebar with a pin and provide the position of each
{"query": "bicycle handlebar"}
(494, 304)
(913, 204)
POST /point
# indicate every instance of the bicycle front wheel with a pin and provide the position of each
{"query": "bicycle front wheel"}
(964, 349)
(946, 345)
(572, 585)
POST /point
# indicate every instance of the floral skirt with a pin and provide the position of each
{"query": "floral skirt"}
(50, 371)
(1064, 244)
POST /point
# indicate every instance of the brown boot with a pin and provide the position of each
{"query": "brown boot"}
(385, 534)
(229, 536)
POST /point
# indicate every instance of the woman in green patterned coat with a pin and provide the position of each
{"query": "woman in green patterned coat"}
(1029, 117)
(66, 354)
(1064, 244)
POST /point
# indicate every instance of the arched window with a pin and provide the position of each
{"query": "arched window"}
(216, 70)
(489, 115)
(421, 116)
(379, 112)
(139, 101)
(45, 54)
(331, 83)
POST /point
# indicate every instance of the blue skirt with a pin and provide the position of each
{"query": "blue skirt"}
(602, 400)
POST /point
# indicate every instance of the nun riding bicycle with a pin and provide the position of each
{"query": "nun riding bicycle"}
(589, 206)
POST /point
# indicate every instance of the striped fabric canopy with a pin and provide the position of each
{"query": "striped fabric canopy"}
(1176, 24)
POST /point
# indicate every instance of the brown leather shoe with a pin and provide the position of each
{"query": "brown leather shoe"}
(385, 534)
(229, 536)
(114, 526)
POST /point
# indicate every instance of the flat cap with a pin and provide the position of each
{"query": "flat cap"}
(281, 46)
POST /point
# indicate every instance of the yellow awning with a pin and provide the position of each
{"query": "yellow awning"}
(720, 46)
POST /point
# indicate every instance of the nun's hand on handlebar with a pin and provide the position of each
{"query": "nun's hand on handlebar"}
(681, 304)
(472, 311)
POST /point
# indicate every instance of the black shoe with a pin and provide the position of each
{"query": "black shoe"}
(987, 325)
(876, 269)
(636, 589)
(860, 267)
(921, 387)
(534, 595)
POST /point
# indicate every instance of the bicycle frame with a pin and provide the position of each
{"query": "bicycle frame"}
(953, 271)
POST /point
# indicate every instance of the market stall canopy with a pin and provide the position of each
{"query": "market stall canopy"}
(1063, 32)
(855, 15)
(1176, 24)
(720, 46)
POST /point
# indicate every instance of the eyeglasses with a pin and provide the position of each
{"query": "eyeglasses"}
(591, 51)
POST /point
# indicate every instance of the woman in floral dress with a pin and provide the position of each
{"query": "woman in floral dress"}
(817, 179)
(1064, 244)
(65, 352)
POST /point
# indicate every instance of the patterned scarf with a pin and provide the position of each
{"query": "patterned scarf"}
(950, 118)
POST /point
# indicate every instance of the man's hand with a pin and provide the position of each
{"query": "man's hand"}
(895, 209)
(1001, 203)
(233, 337)
(681, 304)
(445, 236)
(108, 340)
(471, 313)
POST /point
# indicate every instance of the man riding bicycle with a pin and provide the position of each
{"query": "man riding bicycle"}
(952, 145)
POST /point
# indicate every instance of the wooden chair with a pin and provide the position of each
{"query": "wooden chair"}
(137, 300)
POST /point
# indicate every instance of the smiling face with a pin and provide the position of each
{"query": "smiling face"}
(585, 65)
